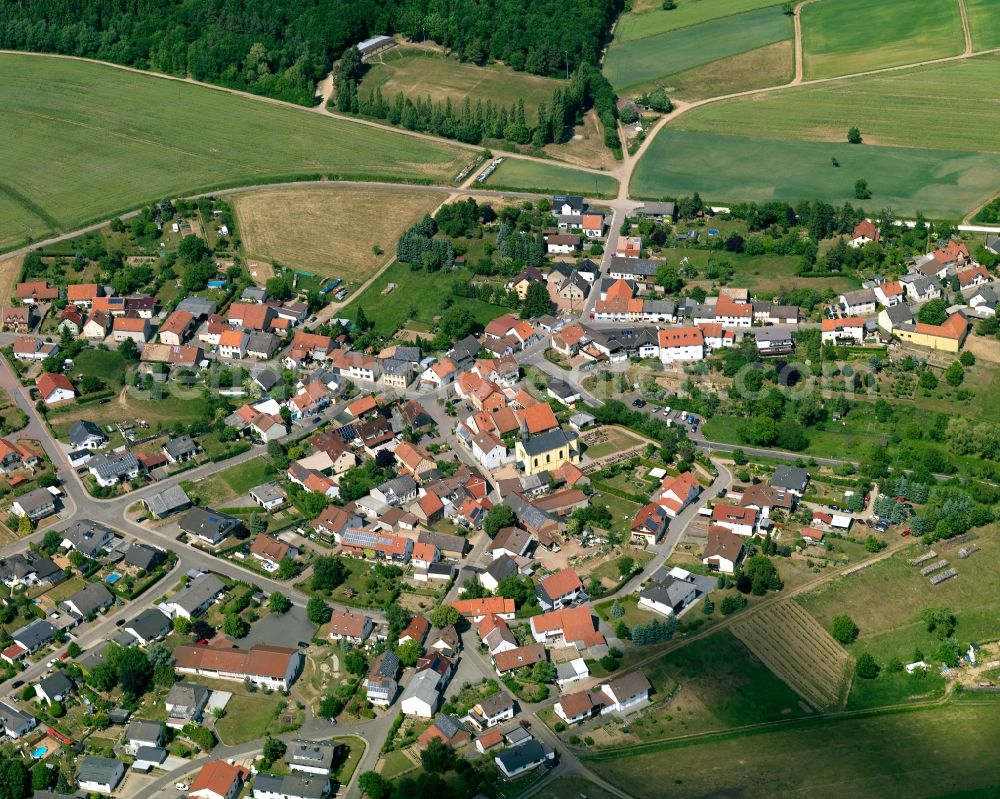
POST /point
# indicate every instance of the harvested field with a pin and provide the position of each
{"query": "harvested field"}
(10, 270)
(766, 66)
(329, 231)
(793, 645)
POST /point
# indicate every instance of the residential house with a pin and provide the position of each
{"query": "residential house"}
(421, 696)
(312, 757)
(209, 525)
(28, 569)
(263, 665)
(141, 732)
(88, 600)
(739, 520)
(261, 345)
(723, 550)
(864, 232)
(381, 683)
(150, 625)
(110, 469)
(572, 626)
(54, 388)
(55, 687)
(86, 435)
(857, 303)
(34, 636)
(83, 294)
(291, 786)
(233, 343)
(251, 316)
(506, 660)
(946, 337)
(101, 774)
(920, 288)
(478, 609)
(15, 455)
(670, 596)
(169, 500)
(270, 551)
(36, 504)
(592, 225)
(492, 710)
(891, 293)
(560, 590)
(180, 449)
(447, 729)
(521, 759)
(270, 496)
(511, 541)
(520, 283)
(133, 327)
(625, 692)
(218, 779)
(194, 598)
(15, 723)
(846, 330)
(894, 316)
(562, 243)
(349, 626)
(496, 635)
(650, 523)
(176, 328)
(185, 702)
(34, 291)
(793, 479)
(18, 320)
(580, 706)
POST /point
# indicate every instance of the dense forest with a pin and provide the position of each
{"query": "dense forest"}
(281, 48)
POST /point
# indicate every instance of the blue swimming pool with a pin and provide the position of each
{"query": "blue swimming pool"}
(113, 578)
(39, 752)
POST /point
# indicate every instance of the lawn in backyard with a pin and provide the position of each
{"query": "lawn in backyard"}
(722, 168)
(418, 295)
(420, 73)
(922, 753)
(765, 273)
(984, 23)
(85, 141)
(641, 62)
(247, 718)
(233, 482)
(131, 405)
(892, 627)
(520, 175)
(896, 108)
(296, 226)
(851, 36)
(108, 365)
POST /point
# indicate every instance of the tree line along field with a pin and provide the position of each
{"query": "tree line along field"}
(984, 23)
(939, 751)
(641, 62)
(85, 141)
(941, 183)
(419, 73)
(329, 230)
(649, 18)
(521, 175)
(848, 36)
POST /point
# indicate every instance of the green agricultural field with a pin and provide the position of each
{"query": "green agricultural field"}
(925, 753)
(419, 296)
(18, 224)
(638, 63)
(984, 22)
(85, 141)
(520, 175)
(419, 73)
(849, 36)
(898, 108)
(941, 183)
(762, 68)
(643, 23)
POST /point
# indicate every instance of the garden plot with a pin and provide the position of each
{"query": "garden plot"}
(797, 649)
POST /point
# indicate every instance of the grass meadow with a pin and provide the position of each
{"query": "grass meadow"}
(419, 73)
(770, 65)
(929, 752)
(642, 62)
(519, 175)
(329, 230)
(419, 295)
(899, 108)
(18, 224)
(649, 19)
(84, 141)
(849, 36)
(984, 23)
(941, 183)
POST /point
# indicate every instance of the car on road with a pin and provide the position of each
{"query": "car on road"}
(639, 403)
(316, 420)
(17, 683)
(119, 623)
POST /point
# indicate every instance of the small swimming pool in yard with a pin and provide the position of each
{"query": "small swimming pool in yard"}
(39, 752)
(113, 578)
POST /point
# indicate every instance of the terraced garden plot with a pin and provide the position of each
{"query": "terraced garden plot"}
(848, 36)
(794, 646)
(642, 62)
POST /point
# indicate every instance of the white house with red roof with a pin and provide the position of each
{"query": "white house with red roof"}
(676, 493)
(742, 521)
(891, 293)
(681, 344)
(864, 232)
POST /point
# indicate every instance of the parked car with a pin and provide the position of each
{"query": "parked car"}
(639, 403)
(905, 532)
(17, 683)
